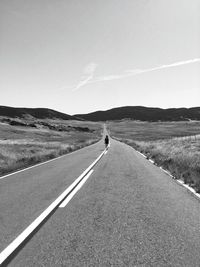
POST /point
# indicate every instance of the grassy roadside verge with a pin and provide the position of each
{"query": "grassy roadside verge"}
(180, 156)
(22, 147)
(11, 161)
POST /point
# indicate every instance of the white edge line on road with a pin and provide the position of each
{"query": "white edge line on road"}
(189, 188)
(153, 162)
(42, 163)
(141, 154)
(21, 238)
(178, 181)
(77, 188)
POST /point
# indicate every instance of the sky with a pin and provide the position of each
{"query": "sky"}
(79, 56)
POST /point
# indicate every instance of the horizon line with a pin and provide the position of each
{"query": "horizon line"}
(99, 110)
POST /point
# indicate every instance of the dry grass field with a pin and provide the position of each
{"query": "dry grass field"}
(23, 146)
(150, 131)
(172, 145)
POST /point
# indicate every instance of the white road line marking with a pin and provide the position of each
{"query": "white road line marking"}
(42, 163)
(167, 172)
(18, 241)
(141, 154)
(189, 188)
(2, 177)
(151, 161)
(77, 188)
(180, 182)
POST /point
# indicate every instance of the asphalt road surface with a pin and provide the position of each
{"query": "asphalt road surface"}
(127, 213)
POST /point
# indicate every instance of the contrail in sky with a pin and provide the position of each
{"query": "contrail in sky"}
(87, 75)
(134, 72)
(89, 72)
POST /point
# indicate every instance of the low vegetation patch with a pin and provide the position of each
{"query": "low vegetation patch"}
(22, 146)
(179, 155)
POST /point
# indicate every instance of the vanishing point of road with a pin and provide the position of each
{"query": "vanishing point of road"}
(127, 213)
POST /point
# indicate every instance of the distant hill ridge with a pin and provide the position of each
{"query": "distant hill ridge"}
(144, 114)
(38, 113)
(128, 112)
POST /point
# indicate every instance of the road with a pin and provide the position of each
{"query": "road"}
(128, 213)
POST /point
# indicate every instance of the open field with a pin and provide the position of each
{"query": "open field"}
(149, 131)
(22, 146)
(158, 141)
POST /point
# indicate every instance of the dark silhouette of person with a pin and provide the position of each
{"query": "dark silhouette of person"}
(106, 141)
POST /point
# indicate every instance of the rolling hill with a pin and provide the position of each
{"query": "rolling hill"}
(144, 114)
(129, 112)
(37, 113)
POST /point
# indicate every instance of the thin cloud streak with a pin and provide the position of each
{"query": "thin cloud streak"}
(88, 77)
(134, 72)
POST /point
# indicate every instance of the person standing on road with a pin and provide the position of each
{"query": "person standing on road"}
(106, 141)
